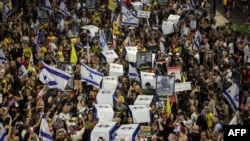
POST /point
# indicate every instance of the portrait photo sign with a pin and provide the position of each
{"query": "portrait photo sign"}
(165, 85)
(144, 60)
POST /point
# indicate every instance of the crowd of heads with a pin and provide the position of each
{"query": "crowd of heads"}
(223, 58)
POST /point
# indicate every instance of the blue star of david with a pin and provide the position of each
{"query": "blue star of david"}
(103, 126)
(91, 76)
(45, 77)
(127, 128)
(237, 97)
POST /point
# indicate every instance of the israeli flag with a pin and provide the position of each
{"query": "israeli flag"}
(22, 71)
(44, 132)
(3, 59)
(48, 7)
(144, 100)
(131, 53)
(6, 12)
(59, 76)
(47, 79)
(128, 17)
(148, 77)
(197, 39)
(233, 97)
(91, 76)
(103, 42)
(106, 97)
(103, 129)
(3, 132)
(192, 5)
(64, 10)
(140, 113)
(35, 26)
(115, 69)
(104, 112)
(61, 25)
(128, 131)
(109, 55)
(109, 82)
(133, 72)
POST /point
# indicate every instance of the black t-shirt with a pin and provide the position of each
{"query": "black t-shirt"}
(201, 122)
(194, 136)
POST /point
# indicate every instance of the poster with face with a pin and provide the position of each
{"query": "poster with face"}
(65, 66)
(107, 33)
(144, 60)
(165, 85)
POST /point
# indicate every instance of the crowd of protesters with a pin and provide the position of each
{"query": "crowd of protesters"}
(200, 114)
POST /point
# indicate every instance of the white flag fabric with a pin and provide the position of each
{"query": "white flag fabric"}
(197, 39)
(61, 77)
(22, 71)
(109, 55)
(104, 112)
(64, 10)
(105, 97)
(115, 69)
(144, 100)
(61, 25)
(234, 119)
(3, 132)
(48, 7)
(3, 59)
(91, 76)
(148, 77)
(128, 17)
(109, 82)
(103, 129)
(128, 131)
(140, 113)
(174, 19)
(133, 72)
(153, 60)
(91, 30)
(47, 79)
(192, 5)
(44, 132)
(232, 95)
(103, 42)
(131, 53)
(6, 13)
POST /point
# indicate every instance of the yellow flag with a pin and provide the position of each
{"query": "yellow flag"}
(111, 5)
(73, 56)
(168, 107)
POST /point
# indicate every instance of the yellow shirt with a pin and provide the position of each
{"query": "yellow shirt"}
(60, 54)
(121, 98)
(43, 50)
(6, 42)
(27, 51)
(51, 38)
(209, 119)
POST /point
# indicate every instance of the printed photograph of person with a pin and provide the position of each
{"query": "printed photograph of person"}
(164, 85)
(65, 66)
(144, 60)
